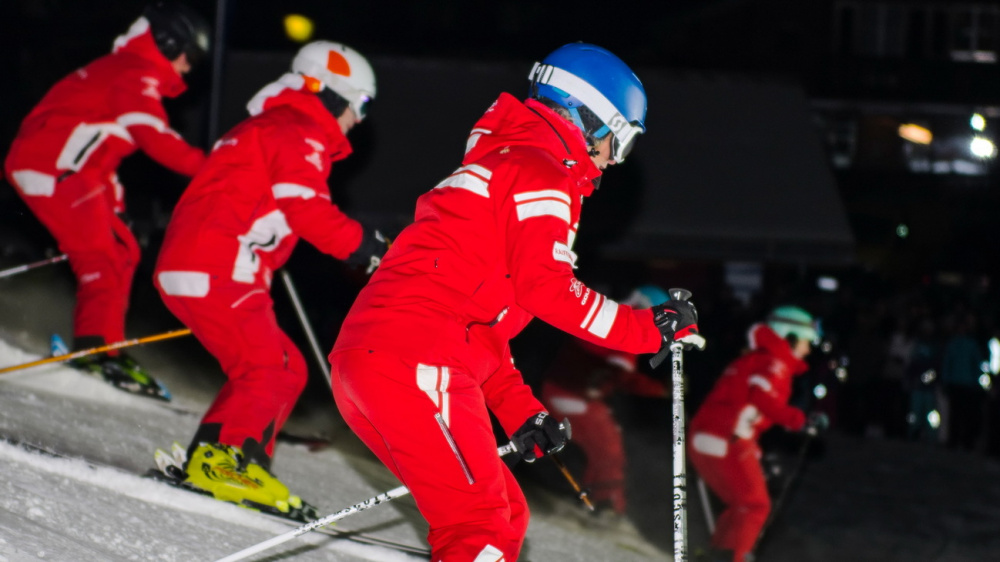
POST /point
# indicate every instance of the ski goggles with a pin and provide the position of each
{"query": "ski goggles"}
(361, 105)
(624, 131)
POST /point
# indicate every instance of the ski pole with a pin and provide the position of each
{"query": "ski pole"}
(94, 350)
(324, 366)
(676, 349)
(581, 493)
(22, 268)
(785, 487)
(333, 517)
(706, 505)
(680, 478)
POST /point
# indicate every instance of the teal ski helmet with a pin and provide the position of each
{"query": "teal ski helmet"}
(793, 321)
(600, 92)
(646, 296)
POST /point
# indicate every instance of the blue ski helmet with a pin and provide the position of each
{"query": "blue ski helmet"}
(792, 320)
(646, 296)
(600, 92)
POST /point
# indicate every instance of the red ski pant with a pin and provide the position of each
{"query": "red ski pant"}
(738, 479)
(101, 249)
(390, 403)
(266, 372)
(597, 433)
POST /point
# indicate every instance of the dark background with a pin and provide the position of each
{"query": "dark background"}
(848, 72)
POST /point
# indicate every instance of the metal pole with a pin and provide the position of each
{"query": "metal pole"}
(324, 367)
(680, 477)
(100, 349)
(22, 268)
(218, 61)
(580, 492)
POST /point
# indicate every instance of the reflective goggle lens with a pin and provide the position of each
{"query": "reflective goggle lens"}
(362, 107)
(618, 151)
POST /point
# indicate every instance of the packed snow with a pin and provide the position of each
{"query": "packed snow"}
(102, 509)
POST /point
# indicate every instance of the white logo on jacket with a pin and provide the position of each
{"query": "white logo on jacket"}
(152, 87)
(316, 158)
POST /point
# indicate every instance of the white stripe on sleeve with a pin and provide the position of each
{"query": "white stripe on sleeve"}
(543, 208)
(757, 380)
(543, 194)
(139, 118)
(289, 190)
(604, 319)
(184, 283)
(472, 178)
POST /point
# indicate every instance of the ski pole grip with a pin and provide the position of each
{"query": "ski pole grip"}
(677, 295)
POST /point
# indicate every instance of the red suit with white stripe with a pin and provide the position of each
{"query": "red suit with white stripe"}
(582, 377)
(429, 335)
(263, 187)
(64, 159)
(750, 397)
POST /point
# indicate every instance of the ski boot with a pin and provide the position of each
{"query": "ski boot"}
(222, 471)
(122, 372)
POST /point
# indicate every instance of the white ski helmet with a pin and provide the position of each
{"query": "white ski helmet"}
(327, 64)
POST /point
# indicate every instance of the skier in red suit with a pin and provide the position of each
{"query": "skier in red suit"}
(264, 186)
(582, 377)
(64, 158)
(750, 397)
(423, 356)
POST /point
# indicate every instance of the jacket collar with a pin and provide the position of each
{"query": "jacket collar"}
(510, 122)
(138, 41)
(289, 90)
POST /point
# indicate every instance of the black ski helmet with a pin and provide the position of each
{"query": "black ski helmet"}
(178, 30)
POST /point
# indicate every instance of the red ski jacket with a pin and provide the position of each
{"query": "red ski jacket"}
(489, 249)
(263, 187)
(93, 118)
(753, 392)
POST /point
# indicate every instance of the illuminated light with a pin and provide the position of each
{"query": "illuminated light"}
(902, 231)
(819, 391)
(985, 381)
(841, 374)
(994, 346)
(298, 28)
(928, 376)
(977, 122)
(827, 347)
(934, 419)
(982, 147)
(826, 283)
(915, 133)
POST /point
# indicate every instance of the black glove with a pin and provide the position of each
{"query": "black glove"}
(816, 423)
(369, 253)
(678, 321)
(539, 436)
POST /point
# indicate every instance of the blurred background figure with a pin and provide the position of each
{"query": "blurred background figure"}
(582, 378)
(921, 382)
(64, 161)
(961, 368)
(750, 397)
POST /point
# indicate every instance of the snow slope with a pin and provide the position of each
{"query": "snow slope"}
(70, 510)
